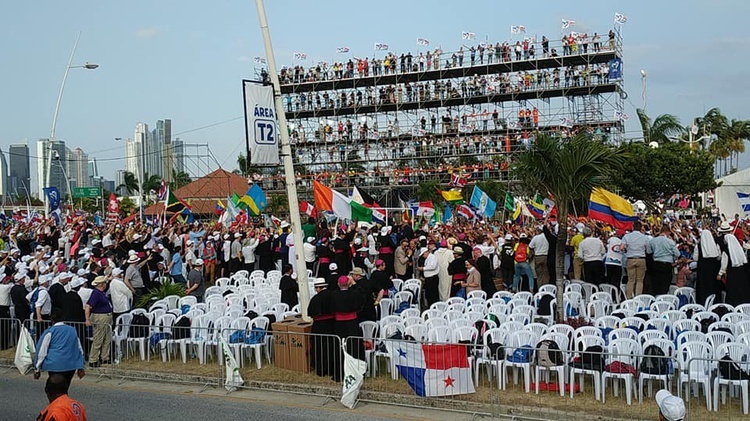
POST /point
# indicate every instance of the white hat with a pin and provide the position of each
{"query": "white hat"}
(198, 262)
(423, 250)
(96, 241)
(333, 266)
(363, 249)
(284, 224)
(311, 239)
(671, 407)
(237, 234)
(523, 235)
(133, 258)
(320, 283)
(65, 275)
(77, 281)
(131, 253)
(189, 242)
(226, 236)
(98, 281)
(19, 275)
(136, 236)
(725, 227)
(44, 279)
(579, 226)
(117, 272)
(508, 237)
(156, 231)
(357, 241)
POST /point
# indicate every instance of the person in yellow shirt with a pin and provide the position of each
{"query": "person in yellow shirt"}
(61, 407)
(574, 242)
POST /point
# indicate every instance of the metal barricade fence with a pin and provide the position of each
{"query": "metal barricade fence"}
(9, 330)
(287, 357)
(716, 387)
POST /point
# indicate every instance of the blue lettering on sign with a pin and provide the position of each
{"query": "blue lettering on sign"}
(263, 112)
(265, 132)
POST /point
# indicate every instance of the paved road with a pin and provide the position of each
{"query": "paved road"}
(22, 398)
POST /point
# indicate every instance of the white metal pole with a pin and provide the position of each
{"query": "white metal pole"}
(286, 154)
(51, 139)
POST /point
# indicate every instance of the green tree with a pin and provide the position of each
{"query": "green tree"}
(661, 128)
(127, 207)
(428, 192)
(569, 170)
(661, 172)
(129, 184)
(152, 182)
(179, 179)
(278, 205)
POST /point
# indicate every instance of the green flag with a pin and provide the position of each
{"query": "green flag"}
(509, 202)
(360, 213)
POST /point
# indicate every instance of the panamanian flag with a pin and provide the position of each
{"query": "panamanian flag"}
(434, 370)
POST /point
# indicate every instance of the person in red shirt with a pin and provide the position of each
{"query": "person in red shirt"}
(61, 407)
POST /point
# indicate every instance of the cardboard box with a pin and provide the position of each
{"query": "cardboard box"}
(281, 343)
(299, 346)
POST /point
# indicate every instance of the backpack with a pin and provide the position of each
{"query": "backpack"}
(729, 369)
(403, 305)
(185, 308)
(605, 334)
(32, 302)
(181, 328)
(720, 311)
(256, 336)
(139, 326)
(705, 324)
(481, 326)
(543, 307)
(153, 340)
(548, 354)
(237, 337)
(654, 361)
(521, 355)
(683, 301)
(251, 314)
(592, 358)
(497, 351)
(522, 253)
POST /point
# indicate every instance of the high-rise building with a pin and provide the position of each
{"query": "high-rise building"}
(59, 162)
(4, 188)
(119, 181)
(93, 172)
(78, 167)
(132, 157)
(20, 170)
(178, 155)
(162, 136)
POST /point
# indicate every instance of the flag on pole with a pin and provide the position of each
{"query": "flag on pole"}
(379, 46)
(516, 216)
(434, 370)
(448, 214)
(465, 211)
(426, 209)
(536, 206)
(342, 206)
(360, 196)
(299, 56)
(173, 204)
(621, 116)
(517, 29)
(306, 208)
(482, 202)
(423, 41)
(612, 209)
(620, 19)
(458, 180)
(259, 60)
(219, 208)
(567, 23)
(354, 376)
(452, 196)
(233, 377)
(255, 200)
(468, 35)
(341, 50)
(744, 199)
(510, 203)
(113, 208)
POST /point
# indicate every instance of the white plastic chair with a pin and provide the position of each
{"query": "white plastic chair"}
(439, 334)
(695, 367)
(386, 307)
(739, 353)
(439, 306)
(435, 322)
(563, 329)
(494, 363)
(601, 296)
(539, 329)
(582, 343)
(741, 327)
(667, 348)
(410, 312)
(743, 308)
(517, 340)
(549, 289)
(622, 333)
(674, 315)
(636, 322)
(717, 338)
(651, 334)
(687, 292)
(432, 314)
(734, 318)
(625, 351)
(261, 323)
(413, 320)
(608, 322)
(613, 291)
(597, 308)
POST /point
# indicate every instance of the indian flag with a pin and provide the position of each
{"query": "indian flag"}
(342, 206)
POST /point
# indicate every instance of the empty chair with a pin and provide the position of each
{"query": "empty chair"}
(438, 321)
(717, 338)
(385, 307)
(440, 306)
(455, 324)
(632, 305)
(439, 334)
(525, 295)
(690, 336)
(659, 324)
(695, 367)
(674, 315)
(739, 353)
(455, 300)
(734, 318)
(741, 327)
(587, 331)
(607, 322)
(452, 315)
(187, 300)
(597, 308)
(625, 351)
(391, 319)
(622, 333)
(684, 325)
(687, 292)
(505, 296)
(397, 283)
(413, 320)
(539, 329)
(460, 307)
(477, 294)
(633, 322)
(662, 306)
(725, 326)
(612, 291)
(417, 331)
(668, 298)
(648, 335)
(525, 309)
(409, 312)
(601, 296)
(522, 318)
(473, 316)
(476, 303)
(432, 314)
(692, 308)
(511, 326)
(499, 309)
(743, 308)
(588, 289)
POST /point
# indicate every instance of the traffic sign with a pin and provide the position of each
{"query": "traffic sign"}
(82, 192)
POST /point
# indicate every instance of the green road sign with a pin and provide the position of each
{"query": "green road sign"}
(79, 192)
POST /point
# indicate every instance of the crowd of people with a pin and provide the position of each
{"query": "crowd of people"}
(436, 59)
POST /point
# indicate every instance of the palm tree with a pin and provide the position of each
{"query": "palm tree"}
(179, 179)
(129, 183)
(736, 133)
(568, 170)
(661, 128)
(152, 182)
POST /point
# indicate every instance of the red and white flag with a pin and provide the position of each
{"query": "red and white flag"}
(458, 180)
(307, 208)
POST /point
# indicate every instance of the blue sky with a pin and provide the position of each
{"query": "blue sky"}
(184, 59)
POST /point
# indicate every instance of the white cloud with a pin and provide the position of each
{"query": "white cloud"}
(147, 32)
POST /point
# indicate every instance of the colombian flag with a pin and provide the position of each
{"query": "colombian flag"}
(537, 207)
(612, 209)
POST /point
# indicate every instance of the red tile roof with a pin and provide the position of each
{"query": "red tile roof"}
(202, 194)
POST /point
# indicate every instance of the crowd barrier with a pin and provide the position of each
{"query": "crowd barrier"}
(509, 382)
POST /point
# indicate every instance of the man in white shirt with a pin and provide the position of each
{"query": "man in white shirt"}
(43, 303)
(120, 295)
(431, 271)
(540, 246)
(308, 250)
(591, 250)
(249, 245)
(5, 301)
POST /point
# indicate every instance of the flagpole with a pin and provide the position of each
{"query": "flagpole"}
(286, 153)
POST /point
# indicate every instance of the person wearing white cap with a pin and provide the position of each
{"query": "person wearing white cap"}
(235, 258)
(40, 301)
(671, 408)
(133, 278)
(323, 343)
(18, 296)
(308, 250)
(189, 257)
(249, 244)
(120, 294)
(195, 285)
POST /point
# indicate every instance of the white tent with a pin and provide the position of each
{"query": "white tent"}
(726, 195)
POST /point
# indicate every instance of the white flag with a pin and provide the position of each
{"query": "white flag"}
(354, 374)
(568, 23)
(234, 379)
(517, 29)
(423, 41)
(341, 50)
(620, 19)
(259, 60)
(619, 115)
(299, 56)
(468, 35)
(381, 46)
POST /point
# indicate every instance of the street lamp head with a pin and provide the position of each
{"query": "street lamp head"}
(643, 73)
(90, 66)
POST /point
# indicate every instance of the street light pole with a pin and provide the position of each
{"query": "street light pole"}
(289, 177)
(51, 140)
